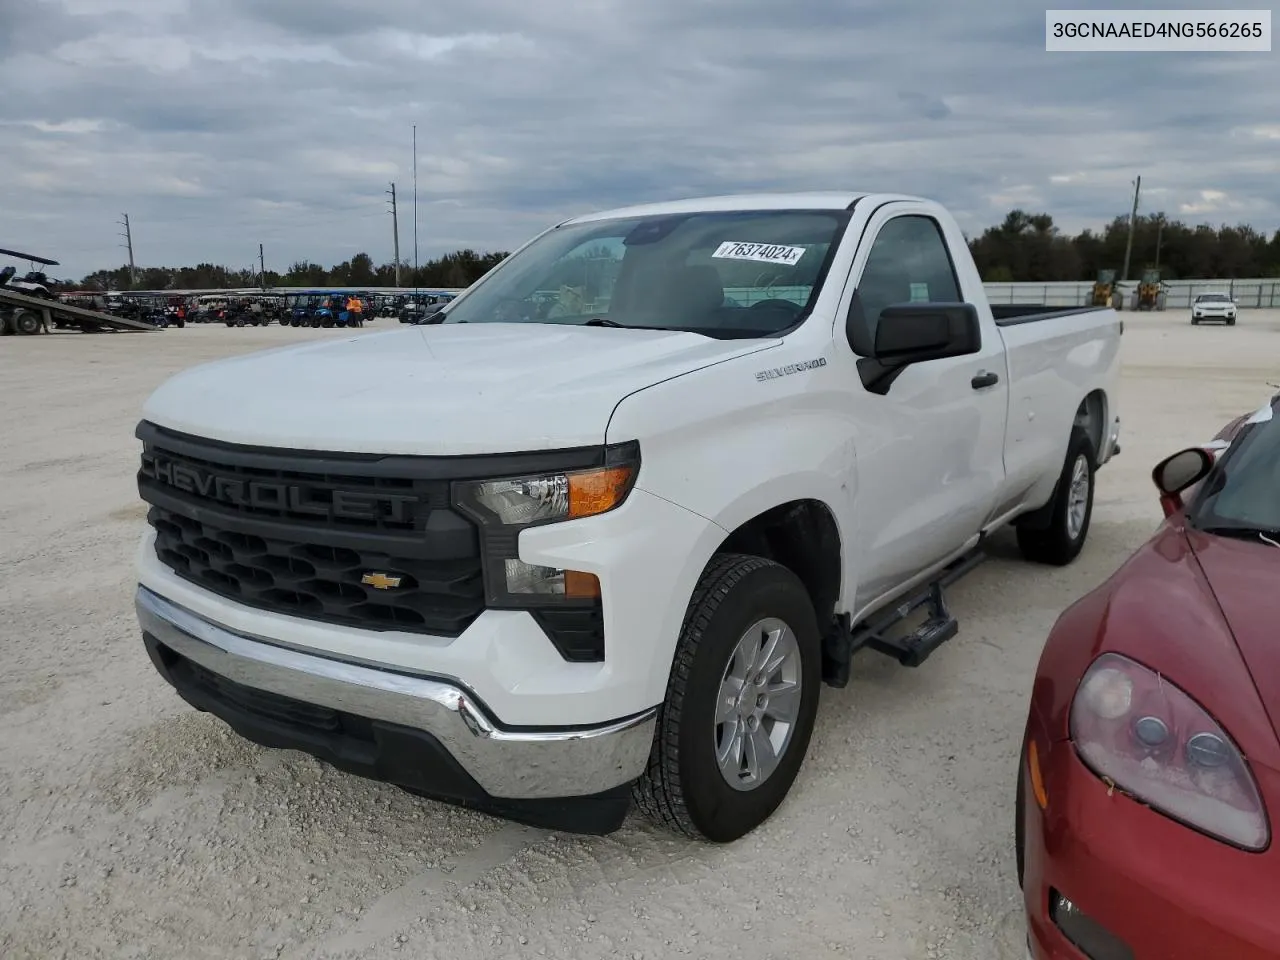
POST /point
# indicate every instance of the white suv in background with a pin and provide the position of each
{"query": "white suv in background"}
(1214, 306)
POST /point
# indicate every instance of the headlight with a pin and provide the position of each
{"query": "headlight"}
(1138, 731)
(525, 501)
(504, 507)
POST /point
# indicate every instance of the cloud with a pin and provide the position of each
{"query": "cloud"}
(422, 46)
(1265, 131)
(1215, 203)
(72, 126)
(219, 124)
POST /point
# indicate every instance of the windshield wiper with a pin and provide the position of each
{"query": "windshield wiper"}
(614, 324)
(1244, 532)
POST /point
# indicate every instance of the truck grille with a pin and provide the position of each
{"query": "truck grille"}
(342, 538)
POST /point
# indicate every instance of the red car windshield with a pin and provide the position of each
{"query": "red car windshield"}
(1243, 492)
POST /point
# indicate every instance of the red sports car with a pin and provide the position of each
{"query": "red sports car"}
(1150, 772)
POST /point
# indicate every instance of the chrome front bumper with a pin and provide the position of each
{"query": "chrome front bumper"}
(506, 764)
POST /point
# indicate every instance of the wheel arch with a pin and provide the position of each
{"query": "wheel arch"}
(803, 536)
(1092, 417)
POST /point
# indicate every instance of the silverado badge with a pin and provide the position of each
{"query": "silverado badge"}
(380, 581)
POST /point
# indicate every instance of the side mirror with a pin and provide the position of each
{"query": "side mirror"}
(918, 332)
(434, 314)
(1178, 473)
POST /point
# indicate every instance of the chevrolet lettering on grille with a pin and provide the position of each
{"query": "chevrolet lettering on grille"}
(265, 494)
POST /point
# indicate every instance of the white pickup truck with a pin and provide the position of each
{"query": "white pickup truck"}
(600, 530)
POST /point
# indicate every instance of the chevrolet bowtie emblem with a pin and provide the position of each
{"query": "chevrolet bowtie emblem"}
(380, 581)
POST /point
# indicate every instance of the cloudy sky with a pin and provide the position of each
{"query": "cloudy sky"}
(219, 124)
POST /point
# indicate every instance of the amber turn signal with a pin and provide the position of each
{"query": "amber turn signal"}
(598, 491)
(581, 586)
(1037, 779)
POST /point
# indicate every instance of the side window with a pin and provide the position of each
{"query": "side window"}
(908, 262)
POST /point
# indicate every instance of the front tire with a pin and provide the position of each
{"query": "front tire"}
(1068, 514)
(1020, 820)
(741, 700)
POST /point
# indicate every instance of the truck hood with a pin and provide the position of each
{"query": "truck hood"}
(1243, 577)
(447, 389)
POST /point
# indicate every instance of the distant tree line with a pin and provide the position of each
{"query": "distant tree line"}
(1025, 246)
(453, 270)
(1028, 247)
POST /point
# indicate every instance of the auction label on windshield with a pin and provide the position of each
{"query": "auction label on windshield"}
(760, 252)
(1140, 31)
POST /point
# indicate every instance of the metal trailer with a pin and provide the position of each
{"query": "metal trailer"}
(28, 304)
(20, 313)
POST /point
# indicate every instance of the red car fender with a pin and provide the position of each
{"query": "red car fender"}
(1159, 610)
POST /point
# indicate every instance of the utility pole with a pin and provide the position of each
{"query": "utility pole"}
(262, 268)
(415, 208)
(1159, 237)
(128, 242)
(1133, 217)
(395, 231)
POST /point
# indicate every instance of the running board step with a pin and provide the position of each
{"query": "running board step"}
(914, 649)
(939, 627)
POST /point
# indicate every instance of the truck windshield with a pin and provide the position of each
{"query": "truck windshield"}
(1242, 496)
(722, 274)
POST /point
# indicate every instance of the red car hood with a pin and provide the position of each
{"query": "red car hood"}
(1245, 577)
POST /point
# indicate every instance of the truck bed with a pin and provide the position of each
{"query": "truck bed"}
(1010, 314)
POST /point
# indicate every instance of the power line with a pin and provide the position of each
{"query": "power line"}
(308, 210)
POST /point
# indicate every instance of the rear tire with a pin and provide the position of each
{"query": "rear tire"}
(745, 611)
(1068, 514)
(26, 322)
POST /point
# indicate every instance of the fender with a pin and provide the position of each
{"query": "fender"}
(755, 443)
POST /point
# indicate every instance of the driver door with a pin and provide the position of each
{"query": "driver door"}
(930, 448)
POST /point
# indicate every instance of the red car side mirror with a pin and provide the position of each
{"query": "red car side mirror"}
(1177, 473)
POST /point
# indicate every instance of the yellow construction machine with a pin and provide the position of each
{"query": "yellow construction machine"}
(1104, 290)
(1151, 291)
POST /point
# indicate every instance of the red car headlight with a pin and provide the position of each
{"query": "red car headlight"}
(1136, 730)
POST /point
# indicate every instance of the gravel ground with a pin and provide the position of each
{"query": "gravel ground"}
(133, 827)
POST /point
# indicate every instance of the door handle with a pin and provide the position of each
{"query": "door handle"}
(984, 379)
